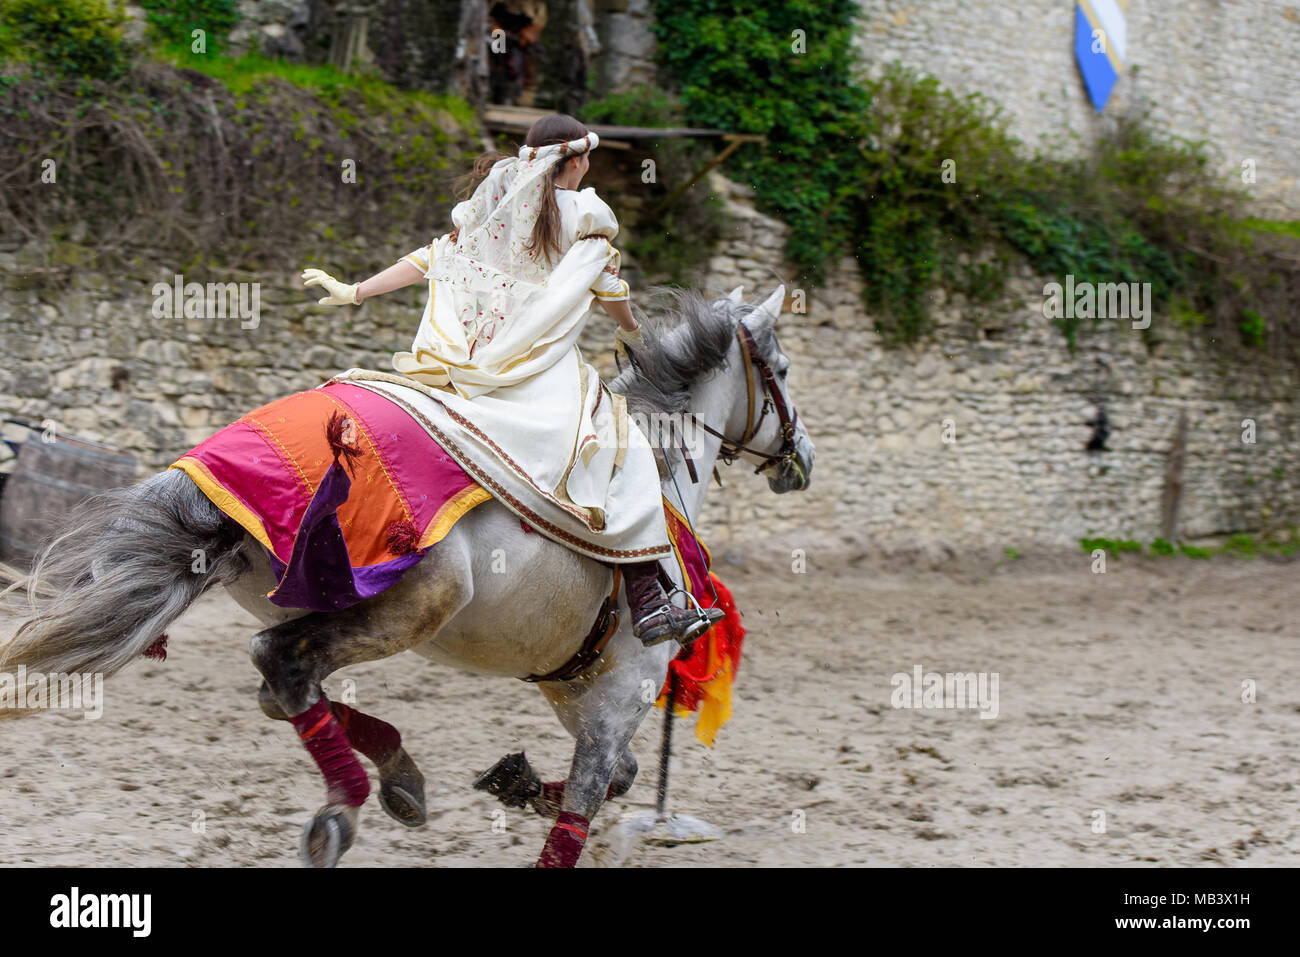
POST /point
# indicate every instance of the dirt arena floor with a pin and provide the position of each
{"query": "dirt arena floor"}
(1119, 695)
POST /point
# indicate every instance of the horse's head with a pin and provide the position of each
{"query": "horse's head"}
(763, 427)
(716, 366)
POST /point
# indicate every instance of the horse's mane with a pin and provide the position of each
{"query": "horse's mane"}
(687, 337)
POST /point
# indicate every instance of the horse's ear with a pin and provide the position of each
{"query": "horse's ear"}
(735, 294)
(765, 315)
(775, 302)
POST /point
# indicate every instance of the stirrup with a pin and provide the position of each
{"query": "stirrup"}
(708, 617)
(702, 619)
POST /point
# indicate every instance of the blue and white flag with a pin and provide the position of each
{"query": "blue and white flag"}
(1100, 46)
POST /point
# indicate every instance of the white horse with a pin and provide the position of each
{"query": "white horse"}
(104, 591)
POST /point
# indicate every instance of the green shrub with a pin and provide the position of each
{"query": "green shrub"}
(1161, 547)
(218, 194)
(1252, 327)
(81, 38)
(854, 166)
(172, 22)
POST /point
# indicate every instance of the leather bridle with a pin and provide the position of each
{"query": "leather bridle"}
(773, 401)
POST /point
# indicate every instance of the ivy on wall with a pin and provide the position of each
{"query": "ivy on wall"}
(925, 187)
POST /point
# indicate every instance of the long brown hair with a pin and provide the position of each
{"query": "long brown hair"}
(555, 128)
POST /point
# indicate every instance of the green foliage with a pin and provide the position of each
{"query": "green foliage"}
(1252, 327)
(1011, 553)
(1240, 545)
(252, 71)
(190, 165)
(79, 38)
(1113, 546)
(172, 22)
(1184, 315)
(856, 165)
(1282, 227)
(738, 72)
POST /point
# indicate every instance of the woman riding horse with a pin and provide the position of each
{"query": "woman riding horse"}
(509, 292)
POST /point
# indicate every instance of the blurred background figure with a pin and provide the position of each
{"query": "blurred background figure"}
(514, 72)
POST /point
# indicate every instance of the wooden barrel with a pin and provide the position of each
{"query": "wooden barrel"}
(47, 481)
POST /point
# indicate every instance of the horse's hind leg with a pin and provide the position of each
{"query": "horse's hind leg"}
(401, 785)
(296, 655)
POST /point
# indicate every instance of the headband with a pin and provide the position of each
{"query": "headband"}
(581, 145)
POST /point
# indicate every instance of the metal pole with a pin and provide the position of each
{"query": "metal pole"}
(666, 751)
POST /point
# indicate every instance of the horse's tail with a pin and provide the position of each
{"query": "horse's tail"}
(126, 564)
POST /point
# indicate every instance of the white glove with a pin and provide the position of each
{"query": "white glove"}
(340, 293)
(625, 339)
(630, 337)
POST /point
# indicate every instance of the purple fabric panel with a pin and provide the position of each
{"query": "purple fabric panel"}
(320, 576)
(692, 556)
(366, 582)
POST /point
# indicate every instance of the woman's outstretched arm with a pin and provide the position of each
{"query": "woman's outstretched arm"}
(397, 276)
(407, 271)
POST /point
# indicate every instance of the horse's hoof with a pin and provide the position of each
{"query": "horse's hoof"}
(512, 781)
(401, 790)
(328, 835)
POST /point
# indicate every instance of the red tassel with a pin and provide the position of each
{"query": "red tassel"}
(158, 650)
(402, 537)
(528, 529)
(340, 432)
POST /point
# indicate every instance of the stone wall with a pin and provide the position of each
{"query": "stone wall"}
(1020, 404)
(627, 56)
(85, 350)
(1219, 70)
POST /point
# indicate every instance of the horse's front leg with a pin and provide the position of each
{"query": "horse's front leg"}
(603, 715)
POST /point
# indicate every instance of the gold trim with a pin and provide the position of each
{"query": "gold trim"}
(618, 408)
(222, 499)
(451, 512)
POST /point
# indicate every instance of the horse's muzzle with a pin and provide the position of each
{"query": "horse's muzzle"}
(794, 476)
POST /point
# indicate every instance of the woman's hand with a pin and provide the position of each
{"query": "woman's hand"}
(631, 338)
(340, 293)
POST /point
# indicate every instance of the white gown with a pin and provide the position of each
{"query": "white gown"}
(499, 346)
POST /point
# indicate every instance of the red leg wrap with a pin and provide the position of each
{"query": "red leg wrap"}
(377, 740)
(565, 842)
(323, 737)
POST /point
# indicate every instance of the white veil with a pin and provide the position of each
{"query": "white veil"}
(488, 270)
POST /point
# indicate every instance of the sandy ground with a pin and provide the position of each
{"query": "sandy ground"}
(1119, 693)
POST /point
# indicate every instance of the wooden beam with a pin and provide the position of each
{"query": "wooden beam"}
(735, 143)
(1173, 493)
(518, 119)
